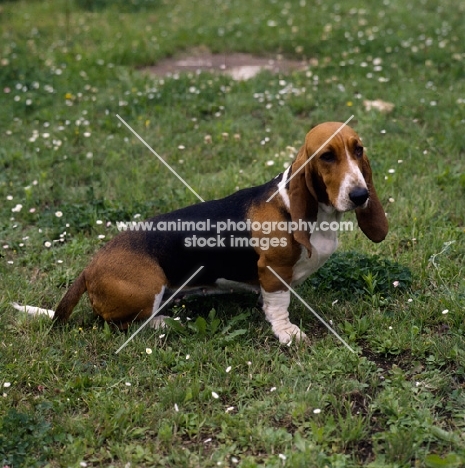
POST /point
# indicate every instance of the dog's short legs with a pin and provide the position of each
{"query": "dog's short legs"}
(275, 306)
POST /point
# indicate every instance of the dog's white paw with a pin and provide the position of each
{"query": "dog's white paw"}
(158, 322)
(289, 332)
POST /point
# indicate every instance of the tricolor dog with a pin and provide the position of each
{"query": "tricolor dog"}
(129, 277)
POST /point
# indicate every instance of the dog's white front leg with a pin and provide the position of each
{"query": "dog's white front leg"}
(275, 305)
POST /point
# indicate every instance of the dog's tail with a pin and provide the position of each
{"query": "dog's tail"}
(70, 299)
(33, 310)
(66, 305)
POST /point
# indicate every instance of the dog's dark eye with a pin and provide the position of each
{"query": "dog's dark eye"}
(358, 151)
(328, 157)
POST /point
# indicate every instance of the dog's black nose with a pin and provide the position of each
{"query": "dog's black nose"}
(358, 196)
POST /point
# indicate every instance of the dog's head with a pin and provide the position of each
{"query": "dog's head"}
(332, 172)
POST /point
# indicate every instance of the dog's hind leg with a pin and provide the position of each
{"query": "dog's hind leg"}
(158, 321)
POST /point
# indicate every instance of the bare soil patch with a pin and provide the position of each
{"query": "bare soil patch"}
(237, 65)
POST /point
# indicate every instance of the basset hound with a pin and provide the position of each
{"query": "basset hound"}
(131, 275)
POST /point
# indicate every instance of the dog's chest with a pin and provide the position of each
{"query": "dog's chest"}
(324, 243)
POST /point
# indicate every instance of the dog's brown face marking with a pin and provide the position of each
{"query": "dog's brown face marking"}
(336, 171)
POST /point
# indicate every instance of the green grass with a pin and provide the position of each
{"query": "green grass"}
(66, 69)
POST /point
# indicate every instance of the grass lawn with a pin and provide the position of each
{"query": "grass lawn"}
(220, 390)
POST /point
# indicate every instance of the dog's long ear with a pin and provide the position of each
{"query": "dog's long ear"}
(304, 205)
(372, 219)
